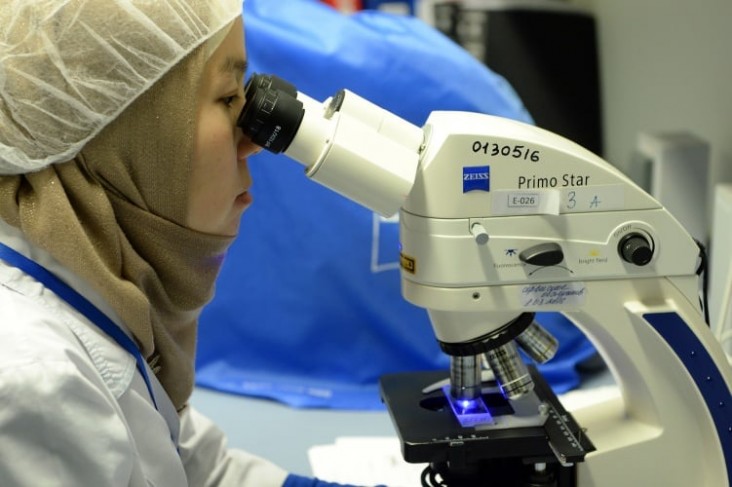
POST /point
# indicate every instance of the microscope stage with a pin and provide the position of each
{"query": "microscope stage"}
(430, 432)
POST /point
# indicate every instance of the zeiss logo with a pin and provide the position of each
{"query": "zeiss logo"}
(476, 178)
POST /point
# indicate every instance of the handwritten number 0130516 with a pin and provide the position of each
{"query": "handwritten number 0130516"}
(515, 151)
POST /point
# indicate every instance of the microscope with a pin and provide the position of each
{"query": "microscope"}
(500, 220)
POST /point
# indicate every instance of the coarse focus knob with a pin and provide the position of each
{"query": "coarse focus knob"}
(635, 249)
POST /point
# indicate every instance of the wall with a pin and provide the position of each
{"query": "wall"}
(666, 65)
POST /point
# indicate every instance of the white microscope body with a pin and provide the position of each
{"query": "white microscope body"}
(672, 425)
(499, 219)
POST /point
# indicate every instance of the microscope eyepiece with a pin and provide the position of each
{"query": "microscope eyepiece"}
(345, 142)
(268, 81)
(272, 114)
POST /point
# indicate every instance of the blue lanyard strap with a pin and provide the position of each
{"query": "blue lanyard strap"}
(81, 304)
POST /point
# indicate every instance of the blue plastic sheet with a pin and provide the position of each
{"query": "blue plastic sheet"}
(308, 309)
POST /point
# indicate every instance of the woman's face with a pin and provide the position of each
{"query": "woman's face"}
(220, 177)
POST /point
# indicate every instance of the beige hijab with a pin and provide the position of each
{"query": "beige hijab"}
(115, 215)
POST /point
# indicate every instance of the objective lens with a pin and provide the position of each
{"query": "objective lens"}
(465, 377)
(538, 343)
(510, 371)
(271, 116)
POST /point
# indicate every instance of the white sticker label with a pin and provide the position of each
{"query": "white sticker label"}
(507, 202)
(517, 202)
(608, 197)
(553, 294)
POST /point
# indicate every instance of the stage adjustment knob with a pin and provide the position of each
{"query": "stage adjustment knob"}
(635, 249)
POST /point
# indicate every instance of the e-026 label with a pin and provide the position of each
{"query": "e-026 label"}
(517, 202)
(523, 200)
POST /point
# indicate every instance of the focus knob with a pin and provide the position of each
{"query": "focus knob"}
(635, 249)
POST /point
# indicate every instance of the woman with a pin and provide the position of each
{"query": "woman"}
(122, 181)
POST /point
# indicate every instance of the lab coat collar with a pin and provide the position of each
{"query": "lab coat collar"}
(114, 364)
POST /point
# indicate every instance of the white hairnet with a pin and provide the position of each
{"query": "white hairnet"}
(69, 67)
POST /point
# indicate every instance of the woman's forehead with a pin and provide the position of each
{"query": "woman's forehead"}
(229, 58)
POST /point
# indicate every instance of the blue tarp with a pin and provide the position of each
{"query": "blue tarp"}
(308, 309)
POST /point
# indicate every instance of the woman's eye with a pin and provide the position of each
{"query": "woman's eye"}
(229, 100)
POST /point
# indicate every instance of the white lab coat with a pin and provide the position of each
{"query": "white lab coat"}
(75, 411)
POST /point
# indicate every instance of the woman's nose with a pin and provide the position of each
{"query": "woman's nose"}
(245, 147)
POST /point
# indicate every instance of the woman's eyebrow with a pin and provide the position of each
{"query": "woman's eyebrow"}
(236, 66)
